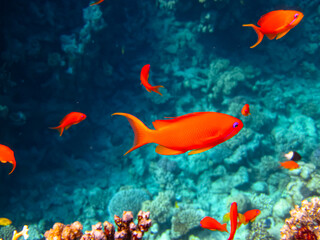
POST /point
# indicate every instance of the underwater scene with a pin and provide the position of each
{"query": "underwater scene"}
(160, 119)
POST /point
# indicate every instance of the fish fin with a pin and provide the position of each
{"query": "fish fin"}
(225, 227)
(200, 150)
(67, 127)
(13, 166)
(156, 89)
(167, 151)
(142, 134)
(60, 129)
(148, 90)
(257, 30)
(271, 36)
(226, 218)
(280, 35)
(242, 220)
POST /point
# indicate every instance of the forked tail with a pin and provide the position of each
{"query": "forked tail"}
(60, 129)
(142, 134)
(156, 89)
(259, 33)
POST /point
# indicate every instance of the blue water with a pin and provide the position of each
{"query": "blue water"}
(60, 57)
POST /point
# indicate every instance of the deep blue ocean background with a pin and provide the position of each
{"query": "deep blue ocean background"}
(62, 56)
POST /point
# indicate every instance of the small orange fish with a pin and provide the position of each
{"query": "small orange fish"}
(251, 215)
(97, 2)
(7, 155)
(5, 221)
(213, 225)
(289, 165)
(144, 75)
(276, 24)
(199, 132)
(245, 110)
(69, 120)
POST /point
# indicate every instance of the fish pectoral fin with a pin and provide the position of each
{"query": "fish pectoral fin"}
(226, 217)
(167, 151)
(200, 150)
(271, 36)
(280, 35)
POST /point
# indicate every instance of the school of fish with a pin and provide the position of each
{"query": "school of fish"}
(194, 132)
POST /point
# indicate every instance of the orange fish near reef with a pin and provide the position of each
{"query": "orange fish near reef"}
(245, 110)
(7, 155)
(197, 131)
(289, 165)
(276, 24)
(251, 215)
(213, 225)
(95, 3)
(5, 221)
(233, 220)
(69, 120)
(144, 75)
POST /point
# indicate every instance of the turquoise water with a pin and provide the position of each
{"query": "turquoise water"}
(67, 56)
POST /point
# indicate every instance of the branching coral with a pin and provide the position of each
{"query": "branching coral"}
(304, 222)
(127, 229)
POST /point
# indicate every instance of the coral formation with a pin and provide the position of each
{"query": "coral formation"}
(258, 231)
(60, 231)
(6, 232)
(304, 222)
(127, 199)
(127, 229)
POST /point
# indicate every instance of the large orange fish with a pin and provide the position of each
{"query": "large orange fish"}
(245, 110)
(276, 24)
(197, 131)
(289, 165)
(144, 75)
(69, 120)
(7, 155)
(213, 225)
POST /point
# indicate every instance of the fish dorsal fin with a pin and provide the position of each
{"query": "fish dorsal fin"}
(167, 151)
(226, 218)
(200, 150)
(163, 123)
(280, 35)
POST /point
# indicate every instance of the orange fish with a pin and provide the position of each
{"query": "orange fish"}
(7, 155)
(95, 3)
(213, 225)
(199, 132)
(289, 165)
(144, 75)
(251, 215)
(69, 120)
(233, 220)
(245, 110)
(276, 24)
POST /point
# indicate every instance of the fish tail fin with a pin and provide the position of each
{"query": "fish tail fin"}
(225, 227)
(156, 89)
(142, 134)
(60, 129)
(259, 33)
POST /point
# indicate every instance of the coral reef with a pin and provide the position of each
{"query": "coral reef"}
(127, 229)
(127, 199)
(59, 231)
(6, 232)
(304, 222)
(258, 231)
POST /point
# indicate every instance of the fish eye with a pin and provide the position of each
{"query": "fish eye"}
(236, 124)
(296, 15)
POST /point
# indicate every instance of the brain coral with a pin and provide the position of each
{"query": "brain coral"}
(127, 200)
